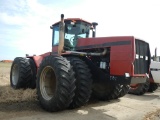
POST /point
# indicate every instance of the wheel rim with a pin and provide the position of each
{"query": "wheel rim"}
(47, 83)
(15, 74)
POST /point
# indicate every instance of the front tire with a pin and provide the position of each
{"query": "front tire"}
(140, 88)
(55, 83)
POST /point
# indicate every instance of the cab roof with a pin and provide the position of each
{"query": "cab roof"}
(74, 20)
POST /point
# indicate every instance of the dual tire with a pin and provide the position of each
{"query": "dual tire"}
(59, 85)
(21, 75)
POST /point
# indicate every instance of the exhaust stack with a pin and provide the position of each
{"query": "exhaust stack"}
(155, 52)
(61, 35)
(155, 57)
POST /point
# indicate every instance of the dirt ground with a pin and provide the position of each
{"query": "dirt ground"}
(23, 105)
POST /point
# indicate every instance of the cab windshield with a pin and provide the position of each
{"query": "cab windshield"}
(73, 31)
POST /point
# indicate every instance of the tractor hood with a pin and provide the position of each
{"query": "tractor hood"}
(88, 43)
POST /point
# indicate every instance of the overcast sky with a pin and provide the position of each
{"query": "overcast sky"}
(25, 24)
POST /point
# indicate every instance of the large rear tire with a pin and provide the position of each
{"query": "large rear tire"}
(140, 89)
(55, 83)
(20, 75)
(153, 87)
(83, 82)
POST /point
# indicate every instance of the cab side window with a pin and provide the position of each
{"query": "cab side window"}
(55, 36)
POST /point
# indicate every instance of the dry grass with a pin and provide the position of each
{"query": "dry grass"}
(4, 73)
(153, 115)
(6, 65)
(8, 94)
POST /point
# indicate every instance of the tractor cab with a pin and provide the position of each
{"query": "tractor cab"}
(73, 29)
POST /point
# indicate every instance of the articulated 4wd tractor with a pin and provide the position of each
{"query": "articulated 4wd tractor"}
(79, 66)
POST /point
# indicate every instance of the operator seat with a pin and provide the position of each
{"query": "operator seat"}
(67, 45)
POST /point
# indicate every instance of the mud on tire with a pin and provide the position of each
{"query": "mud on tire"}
(55, 83)
(83, 82)
(20, 74)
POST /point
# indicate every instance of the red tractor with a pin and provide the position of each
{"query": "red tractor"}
(78, 66)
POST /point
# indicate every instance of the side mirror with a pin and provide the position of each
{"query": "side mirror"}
(94, 24)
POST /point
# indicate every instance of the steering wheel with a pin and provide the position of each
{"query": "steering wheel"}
(71, 39)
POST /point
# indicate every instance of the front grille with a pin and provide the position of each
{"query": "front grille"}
(142, 57)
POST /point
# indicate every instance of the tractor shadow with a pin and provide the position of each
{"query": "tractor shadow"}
(94, 102)
(146, 97)
(20, 106)
(32, 108)
(17, 100)
(15, 108)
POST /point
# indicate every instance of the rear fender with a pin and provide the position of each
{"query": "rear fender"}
(38, 59)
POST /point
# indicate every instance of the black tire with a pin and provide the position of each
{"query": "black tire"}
(83, 82)
(32, 84)
(20, 74)
(141, 88)
(55, 83)
(114, 93)
(124, 90)
(153, 87)
(106, 92)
